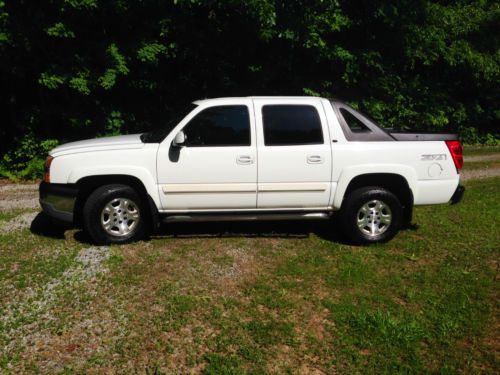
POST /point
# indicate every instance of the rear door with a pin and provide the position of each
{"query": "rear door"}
(294, 154)
(216, 168)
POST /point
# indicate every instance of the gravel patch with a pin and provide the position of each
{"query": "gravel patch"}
(31, 312)
(479, 173)
(18, 223)
(12, 204)
(18, 187)
(15, 196)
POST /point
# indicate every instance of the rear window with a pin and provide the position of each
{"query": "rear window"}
(286, 125)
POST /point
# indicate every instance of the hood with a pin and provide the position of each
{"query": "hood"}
(119, 142)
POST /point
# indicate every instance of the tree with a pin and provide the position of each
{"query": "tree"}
(80, 68)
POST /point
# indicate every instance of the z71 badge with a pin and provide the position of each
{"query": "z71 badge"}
(433, 157)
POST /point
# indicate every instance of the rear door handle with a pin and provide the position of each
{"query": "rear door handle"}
(314, 159)
(244, 159)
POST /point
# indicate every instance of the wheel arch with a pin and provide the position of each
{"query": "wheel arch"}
(395, 183)
(88, 184)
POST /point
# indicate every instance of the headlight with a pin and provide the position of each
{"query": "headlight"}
(46, 172)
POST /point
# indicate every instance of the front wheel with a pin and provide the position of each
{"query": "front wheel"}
(371, 215)
(114, 214)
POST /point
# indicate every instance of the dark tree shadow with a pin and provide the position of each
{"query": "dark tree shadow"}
(235, 229)
(271, 229)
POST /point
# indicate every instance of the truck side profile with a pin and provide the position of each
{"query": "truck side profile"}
(253, 158)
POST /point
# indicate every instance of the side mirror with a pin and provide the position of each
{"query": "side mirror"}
(179, 139)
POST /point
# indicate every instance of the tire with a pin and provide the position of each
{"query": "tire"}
(371, 215)
(115, 214)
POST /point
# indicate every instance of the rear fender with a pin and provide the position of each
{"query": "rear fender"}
(349, 173)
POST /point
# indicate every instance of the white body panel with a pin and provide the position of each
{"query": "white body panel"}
(258, 177)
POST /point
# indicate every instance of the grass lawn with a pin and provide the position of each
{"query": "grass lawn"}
(259, 298)
(478, 150)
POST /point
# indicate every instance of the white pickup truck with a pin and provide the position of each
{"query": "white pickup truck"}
(253, 158)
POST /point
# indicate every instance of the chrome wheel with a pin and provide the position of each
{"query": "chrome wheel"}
(374, 217)
(120, 217)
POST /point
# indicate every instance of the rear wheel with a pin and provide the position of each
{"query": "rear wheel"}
(114, 214)
(371, 215)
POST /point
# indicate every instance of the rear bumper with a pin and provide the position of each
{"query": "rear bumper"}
(457, 195)
(58, 200)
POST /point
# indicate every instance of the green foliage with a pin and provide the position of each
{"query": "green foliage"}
(51, 81)
(108, 79)
(60, 30)
(471, 136)
(114, 123)
(80, 83)
(4, 34)
(412, 65)
(150, 52)
(27, 160)
(81, 4)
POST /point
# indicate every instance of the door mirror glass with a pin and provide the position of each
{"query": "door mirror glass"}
(179, 139)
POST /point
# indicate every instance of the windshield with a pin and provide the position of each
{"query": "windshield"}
(157, 135)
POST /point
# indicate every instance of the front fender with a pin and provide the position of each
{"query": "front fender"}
(140, 173)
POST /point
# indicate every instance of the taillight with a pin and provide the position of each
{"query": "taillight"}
(46, 172)
(456, 152)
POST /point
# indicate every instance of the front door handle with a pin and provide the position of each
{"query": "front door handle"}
(314, 159)
(244, 159)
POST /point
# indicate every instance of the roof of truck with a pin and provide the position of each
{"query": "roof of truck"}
(229, 99)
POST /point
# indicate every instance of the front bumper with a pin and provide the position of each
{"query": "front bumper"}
(457, 195)
(58, 200)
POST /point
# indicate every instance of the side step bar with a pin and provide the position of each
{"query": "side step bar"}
(245, 217)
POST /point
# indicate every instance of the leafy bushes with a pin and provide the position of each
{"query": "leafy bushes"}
(471, 136)
(27, 160)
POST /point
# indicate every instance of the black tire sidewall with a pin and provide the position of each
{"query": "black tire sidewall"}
(93, 208)
(356, 200)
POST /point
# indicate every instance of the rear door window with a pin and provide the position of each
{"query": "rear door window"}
(286, 125)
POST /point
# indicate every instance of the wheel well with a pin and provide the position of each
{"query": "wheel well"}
(87, 185)
(395, 183)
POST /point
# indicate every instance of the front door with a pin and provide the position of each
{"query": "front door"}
(294, 154)
(216, 167)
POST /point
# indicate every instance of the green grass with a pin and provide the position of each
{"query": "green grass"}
(255, 299)
(481, 164)
(476, 150)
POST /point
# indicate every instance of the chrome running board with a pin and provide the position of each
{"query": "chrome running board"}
(245, 217)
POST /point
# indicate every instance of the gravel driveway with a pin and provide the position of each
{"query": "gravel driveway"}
(13, 196)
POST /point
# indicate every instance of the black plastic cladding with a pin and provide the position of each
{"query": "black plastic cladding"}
(376, 134)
